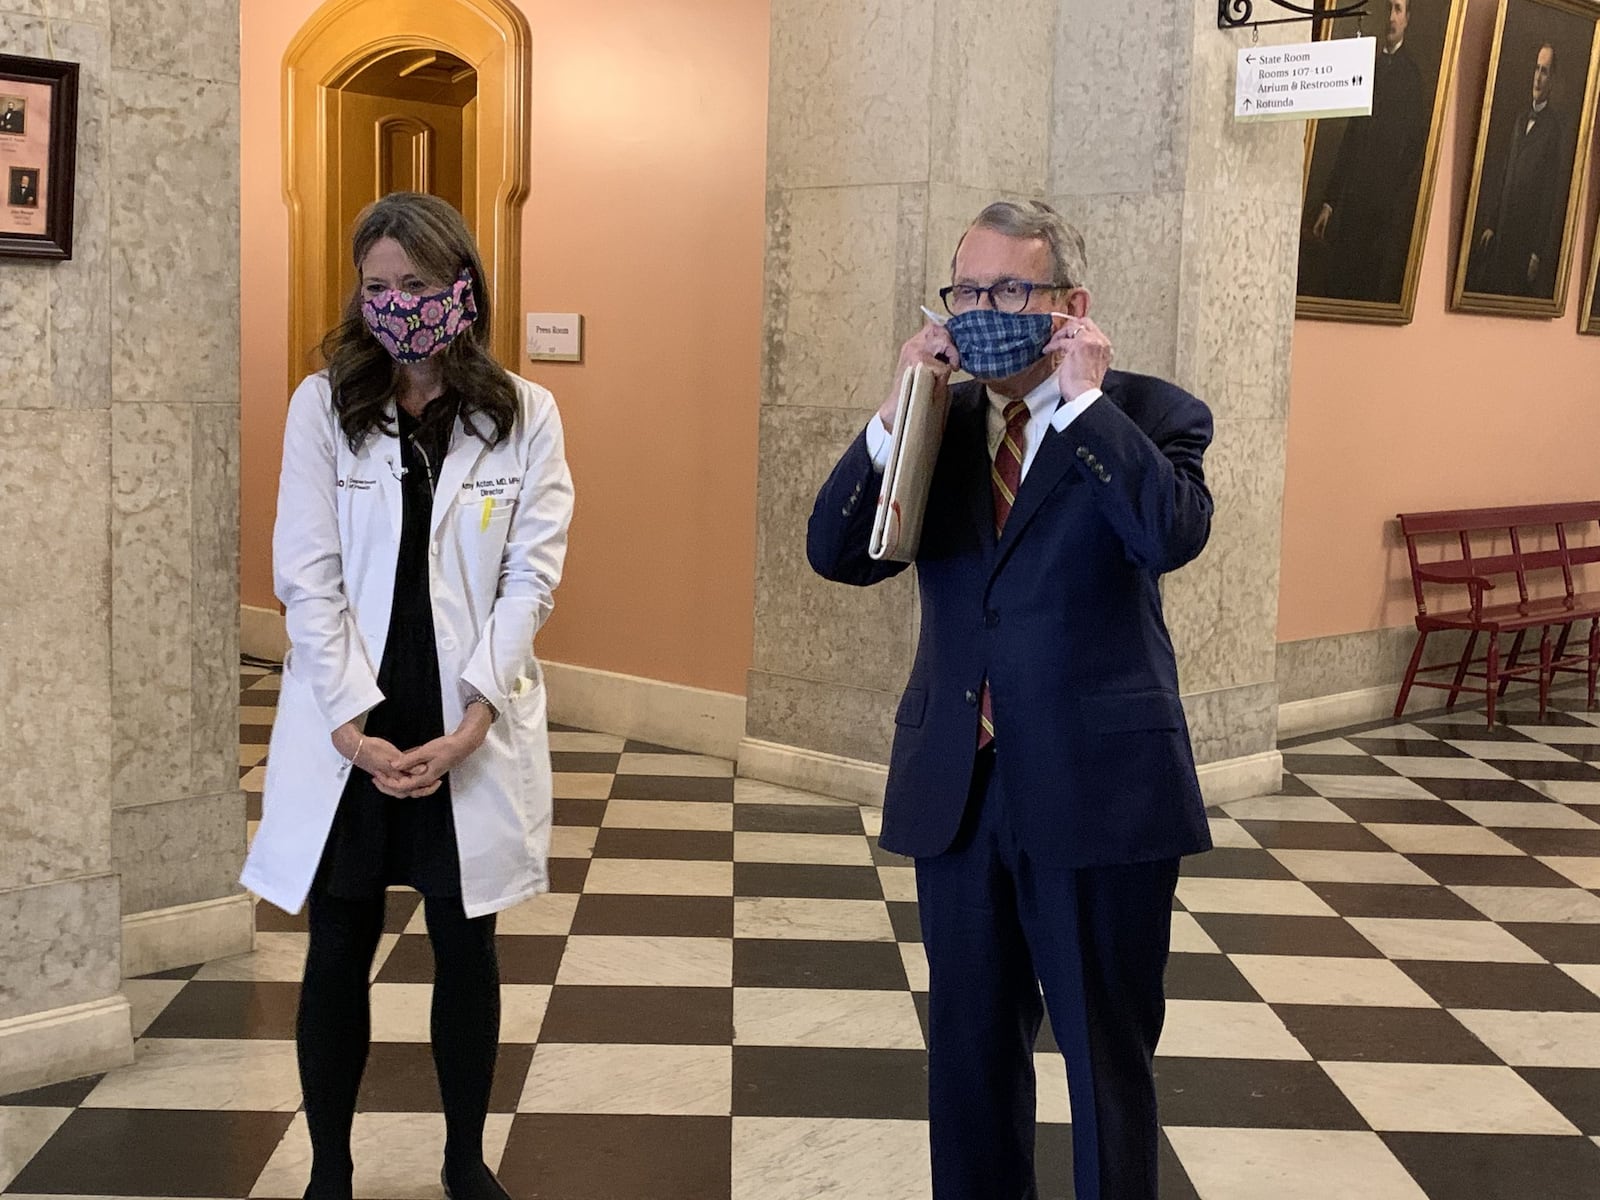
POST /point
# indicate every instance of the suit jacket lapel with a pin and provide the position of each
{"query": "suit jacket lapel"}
(1050, 466)
(969, 436)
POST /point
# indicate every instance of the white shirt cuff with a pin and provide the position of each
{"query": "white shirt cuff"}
(879, 442)
(1073, 409)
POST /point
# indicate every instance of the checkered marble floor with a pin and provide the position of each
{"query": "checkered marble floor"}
(1385, 985)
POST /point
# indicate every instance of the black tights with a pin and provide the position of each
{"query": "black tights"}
(335, 1027)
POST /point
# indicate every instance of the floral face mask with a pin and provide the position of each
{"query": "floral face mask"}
(414, 328)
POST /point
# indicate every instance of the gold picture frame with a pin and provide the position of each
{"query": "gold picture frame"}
(1516, 248)
(1589, 318)
(1361, 259)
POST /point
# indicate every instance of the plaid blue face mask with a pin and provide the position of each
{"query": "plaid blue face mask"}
(997, 345)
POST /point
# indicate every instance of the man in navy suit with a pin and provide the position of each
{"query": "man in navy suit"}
(1041, 776)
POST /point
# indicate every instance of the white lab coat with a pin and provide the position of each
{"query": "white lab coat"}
(498, 539)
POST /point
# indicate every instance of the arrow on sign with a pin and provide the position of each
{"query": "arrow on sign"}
(1250, 58)
(1247, 102)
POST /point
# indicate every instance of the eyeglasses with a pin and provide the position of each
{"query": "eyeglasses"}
(1006, 295)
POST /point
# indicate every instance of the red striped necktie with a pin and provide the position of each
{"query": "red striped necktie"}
(1005, 477)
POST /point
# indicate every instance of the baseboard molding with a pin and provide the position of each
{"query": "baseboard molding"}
(262, 634)
(813, 771)
(58, 1044)
(1322, 713)
(164, 938)
(668, 714)
(863, 782)
(1231, 779)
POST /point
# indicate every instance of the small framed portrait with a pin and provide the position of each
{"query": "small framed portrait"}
(13, 115)
(38, 155)
(23, 191)
(1521, 222)
(1369, 180)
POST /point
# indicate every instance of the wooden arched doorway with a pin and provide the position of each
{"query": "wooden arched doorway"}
(387, 94)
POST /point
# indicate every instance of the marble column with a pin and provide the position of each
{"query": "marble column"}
(120, 813)
(892, 123)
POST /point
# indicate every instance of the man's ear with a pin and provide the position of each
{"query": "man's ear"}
(1077, 302)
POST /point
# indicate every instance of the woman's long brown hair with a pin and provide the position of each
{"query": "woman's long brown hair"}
(363, 376)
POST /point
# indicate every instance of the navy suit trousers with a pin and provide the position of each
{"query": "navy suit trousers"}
(997, 927)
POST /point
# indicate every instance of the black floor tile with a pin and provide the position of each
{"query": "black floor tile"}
(1480, 1166)
(1482, 789)
(175, 973)
(601, 1157)
(567, 875)
(640, 1016)
(1404, 747)
(1338, 764)
(1404, 812)
(1574, 1091)
(1489, 870)
(1206, 977)
(1251, 1094)
(676, 844)
(1513, 987)
(1293, 786)
(796, 818)
(654, 916)
(805, 880)
(206, 1009)
(783, 963)
(907, 924)
(1234, 862)
(1411, 901)
(1559, 943)
(524, 959)
(586, 813)
(1582, 772)
(58, 1095)
(885, 858)
(1052, 1164)
(1336, 1033)
(672, 787)
(272, 919)
(802, 1081)
(1313, 835)
(255, 735)
(1573, 843)
(1251, 933)
(135, 1152)
(400, 1077)
(633, 746)
(583, 763)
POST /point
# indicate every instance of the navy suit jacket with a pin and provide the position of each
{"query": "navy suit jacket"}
(1062, 616)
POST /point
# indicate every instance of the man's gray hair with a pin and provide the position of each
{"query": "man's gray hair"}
(1036, 219)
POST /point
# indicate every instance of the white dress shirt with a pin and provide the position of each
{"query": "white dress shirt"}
(1046, 410)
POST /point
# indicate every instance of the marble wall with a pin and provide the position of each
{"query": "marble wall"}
(118, 523)
(892, 124)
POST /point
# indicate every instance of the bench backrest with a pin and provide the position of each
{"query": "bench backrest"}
(1515, 522)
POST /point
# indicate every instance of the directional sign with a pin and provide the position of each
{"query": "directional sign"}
(1309, 79)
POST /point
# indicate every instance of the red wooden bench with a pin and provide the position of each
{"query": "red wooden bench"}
(1469, 573)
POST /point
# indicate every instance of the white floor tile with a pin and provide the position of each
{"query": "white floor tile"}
(1443, 941)
(1284, 897)
(178, 1073)
(1439, 768)
(23, 1131)
(1445, 1098)
(1510, 751)
(1227, 1029)
(805, 848)
(1567, 906)
(1366, 787)
(811, 1158)
(1443, 839)
(1537, 1039)
(397, 1156)
(659, 877)
(668, 814)
(819, 1017)
(647, 962)
(812, 920)
(1286, 808)
(1291, 1164)
(1286, 979)
(607, 1078)
(696, 765)
(1352, 866)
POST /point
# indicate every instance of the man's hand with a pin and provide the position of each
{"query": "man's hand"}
(1320, 225)
(1485, 238)
(931, 346)
(1083, 356)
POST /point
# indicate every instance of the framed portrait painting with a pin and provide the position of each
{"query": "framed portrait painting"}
(1369, 180)
(1533, 137)
(38, 152)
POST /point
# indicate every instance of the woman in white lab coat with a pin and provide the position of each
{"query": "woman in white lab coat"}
(422, 523)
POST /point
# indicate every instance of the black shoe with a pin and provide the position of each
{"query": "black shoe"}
(484, 1187)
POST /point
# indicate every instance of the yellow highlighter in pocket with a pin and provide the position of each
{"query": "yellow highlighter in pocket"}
(488, 507)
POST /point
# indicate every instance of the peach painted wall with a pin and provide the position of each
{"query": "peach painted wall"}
(1453, 410)
(646, 215)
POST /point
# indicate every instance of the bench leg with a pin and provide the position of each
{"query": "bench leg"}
(1411, 675)
(1545, 658)
(1594, 656)
(1511, 660)
(1461, 670)
(1493, 673)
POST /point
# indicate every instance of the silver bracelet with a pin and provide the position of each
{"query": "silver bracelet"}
(477, 697)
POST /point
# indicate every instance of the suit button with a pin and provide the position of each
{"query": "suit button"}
(991, 619)
(1105, 475)
(972, 696)
(1083, 453)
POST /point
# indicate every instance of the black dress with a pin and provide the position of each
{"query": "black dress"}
(379, 841)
